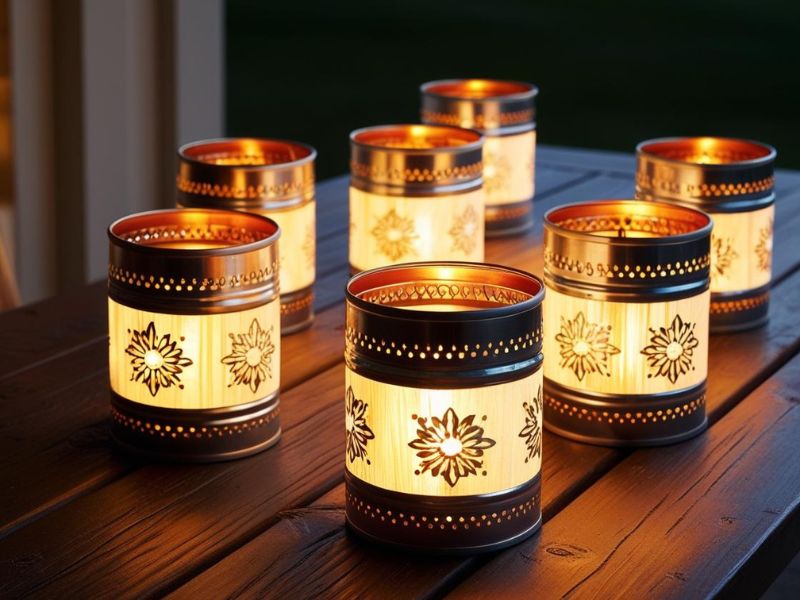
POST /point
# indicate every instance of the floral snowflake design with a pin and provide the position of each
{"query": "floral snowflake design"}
(395, 235)
(496, 173)
(532, 432)
(465, 231)
(671, 349)
(250, 360)
(585, 347)
(157, 361)
(309, 247)
(449, 446)
(764, 247)
(722, 255)
(357, 432)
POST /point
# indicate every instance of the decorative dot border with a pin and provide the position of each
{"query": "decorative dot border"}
(179, 284)
(506, 213)
(288, 308)
(250, 192)
(504, 118)
(433, 176)
(720, 307)
(164, 430)
(609, 271)
(446, 522)
(440, 351)
(704, 190)
(631, 416)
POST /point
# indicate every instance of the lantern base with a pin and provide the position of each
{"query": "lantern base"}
(197, 435)
(443, 524)
(620, 421)
(509, 219)
(739, 312)
(297, 310)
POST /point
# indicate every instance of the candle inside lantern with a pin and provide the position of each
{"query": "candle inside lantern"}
(194, 344)
(415, 194)
(504, 112)
(274, 178)
(627, 321)
(732, 180)
(443, 405)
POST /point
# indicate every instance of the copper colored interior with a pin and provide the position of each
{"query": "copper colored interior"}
(628, 219)
(707, 150)
(246, 152)
(443, 287)
(478, 88)
(416, 137)
(193, 229)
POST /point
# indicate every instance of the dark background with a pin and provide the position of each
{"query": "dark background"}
(610, 73)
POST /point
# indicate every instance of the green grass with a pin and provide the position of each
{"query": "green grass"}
(610, 73)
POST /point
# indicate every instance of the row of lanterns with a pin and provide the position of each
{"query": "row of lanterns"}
(446, 387)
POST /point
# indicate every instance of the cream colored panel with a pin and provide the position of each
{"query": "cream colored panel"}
(194, 361)
(387, 230)
(297, 245)
(620, 348)
(741, 250)
(508, 168)
(498, 427)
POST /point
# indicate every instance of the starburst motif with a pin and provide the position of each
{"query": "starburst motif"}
(357, 432)
(250, 360)
(585, 347)
(764, 247)
(722, 255)
(532, 432)
(395, 235)
(449, 446)
(309, 246)
(671, 349)
(157, 361)
(465, 231)
(496, 171)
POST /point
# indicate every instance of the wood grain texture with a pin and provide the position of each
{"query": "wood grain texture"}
(85, 521)
(677, 522)
(568, 470)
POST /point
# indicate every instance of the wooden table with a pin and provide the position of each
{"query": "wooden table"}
(715, 514)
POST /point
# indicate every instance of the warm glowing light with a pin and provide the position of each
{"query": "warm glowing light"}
(451, 447)
(153, 359)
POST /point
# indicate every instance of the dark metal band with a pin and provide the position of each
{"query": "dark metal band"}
(500, 333)
(416, 160)
(198, 435)
(245, 173)
(461, 524)
(297, 310)
(740, 311)
(490, 106)
(193, 261)
(593, 247)
(641, 420)
(714, 174)
(509, 219)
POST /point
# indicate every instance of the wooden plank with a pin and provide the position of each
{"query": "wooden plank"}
(328, 562)
(678, 522)
(66, 446)
(52, 451)
(334, 472)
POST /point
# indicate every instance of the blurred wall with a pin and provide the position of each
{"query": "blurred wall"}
(611, 73)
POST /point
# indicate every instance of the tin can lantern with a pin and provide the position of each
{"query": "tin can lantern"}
(415, 194)
(194, 343)
(274, 178)
(443, 410)
(733, 181)
(626, 319)
(504, 112)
